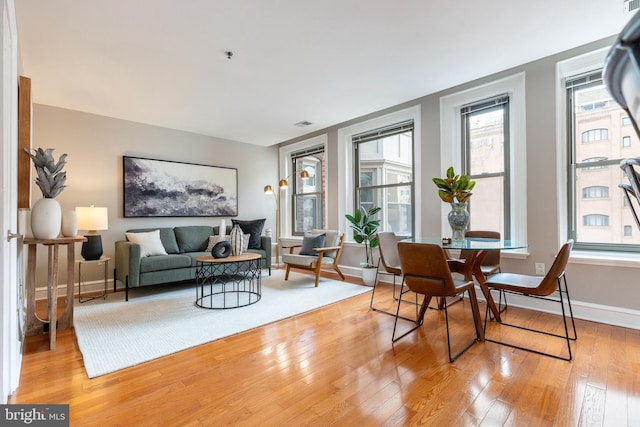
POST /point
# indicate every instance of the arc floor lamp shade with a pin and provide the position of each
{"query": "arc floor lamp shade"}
(92, 219)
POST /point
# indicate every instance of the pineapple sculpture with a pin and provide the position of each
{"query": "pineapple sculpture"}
(46, 214)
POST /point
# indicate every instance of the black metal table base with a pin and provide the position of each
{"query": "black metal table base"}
(228, 284)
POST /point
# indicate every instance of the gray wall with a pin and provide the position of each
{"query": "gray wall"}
(613, 286)
(95, 146)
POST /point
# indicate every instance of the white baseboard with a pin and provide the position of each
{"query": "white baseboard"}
(617, 316)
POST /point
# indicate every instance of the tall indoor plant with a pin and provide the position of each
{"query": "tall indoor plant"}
(46, 214)
(364, 231)
(456, 190)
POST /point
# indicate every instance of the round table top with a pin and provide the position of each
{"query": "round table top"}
(247, 256)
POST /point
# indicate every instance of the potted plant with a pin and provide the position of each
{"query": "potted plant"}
(456, 190)
(46, 215)
(364, 231)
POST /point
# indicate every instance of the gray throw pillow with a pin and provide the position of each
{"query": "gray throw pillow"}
(310, 241)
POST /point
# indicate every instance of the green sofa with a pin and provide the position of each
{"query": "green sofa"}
(183, 245)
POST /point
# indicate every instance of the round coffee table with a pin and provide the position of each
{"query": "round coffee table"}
(231, 282)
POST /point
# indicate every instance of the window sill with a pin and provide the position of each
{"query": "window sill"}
(613, 259)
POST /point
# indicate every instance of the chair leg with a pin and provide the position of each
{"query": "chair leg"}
(476, 318)
(286, 275)
(337, 269)
(373, 294)
(418, 321)
(317, 271)
(568, 338)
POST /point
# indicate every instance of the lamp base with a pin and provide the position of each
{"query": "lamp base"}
(92, 248)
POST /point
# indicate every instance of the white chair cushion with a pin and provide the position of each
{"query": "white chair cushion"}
(295, 259)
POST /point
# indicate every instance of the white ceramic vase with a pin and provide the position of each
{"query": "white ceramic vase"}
(46, 219)
(69, 224)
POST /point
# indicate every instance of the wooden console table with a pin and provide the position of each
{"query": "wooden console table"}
(35, 325)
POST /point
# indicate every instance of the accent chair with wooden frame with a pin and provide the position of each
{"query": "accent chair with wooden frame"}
(426, 272)
(327, 257)
(554, 281)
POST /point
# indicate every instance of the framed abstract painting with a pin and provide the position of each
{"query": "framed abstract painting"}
(162, 188)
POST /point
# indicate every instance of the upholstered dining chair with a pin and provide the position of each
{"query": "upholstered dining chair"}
(318, 258)
(425, 270)
(388, 264)
(554, 282)
(490, 264)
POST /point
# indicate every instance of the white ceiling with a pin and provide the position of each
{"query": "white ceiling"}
(163, 62)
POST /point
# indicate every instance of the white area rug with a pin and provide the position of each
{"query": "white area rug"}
(159, 320)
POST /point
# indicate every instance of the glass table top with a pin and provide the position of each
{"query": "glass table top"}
(471, 243)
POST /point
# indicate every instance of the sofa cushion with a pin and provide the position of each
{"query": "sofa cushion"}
(150, 243)
(167, 236)
(310, 241)
(164, 262)
(193, 238)
(254, 228)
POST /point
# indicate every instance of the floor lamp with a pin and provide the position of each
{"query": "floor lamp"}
(282, 185)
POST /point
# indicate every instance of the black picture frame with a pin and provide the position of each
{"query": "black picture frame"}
(164, 188)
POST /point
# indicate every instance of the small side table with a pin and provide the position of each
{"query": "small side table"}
(102, 261)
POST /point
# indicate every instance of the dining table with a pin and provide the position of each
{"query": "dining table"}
(478, 248)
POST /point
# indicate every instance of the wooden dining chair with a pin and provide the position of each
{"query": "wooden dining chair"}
(490, 264)
(554, 282)
(425, 271)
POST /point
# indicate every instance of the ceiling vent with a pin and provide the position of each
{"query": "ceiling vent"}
(630, 6)
(306, 123)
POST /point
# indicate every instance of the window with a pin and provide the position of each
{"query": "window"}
(485, 140)
(628, 231)
(308, 195)
(595, 213)
(595, 220)
(383, 175)
(514, 163)
(595, 135)
(595, 192)
(626, 121)
(303, 205)
(599, 163)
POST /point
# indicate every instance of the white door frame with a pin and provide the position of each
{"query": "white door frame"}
(10, 335)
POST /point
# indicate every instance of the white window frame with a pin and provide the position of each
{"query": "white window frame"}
(345, 163)
(286, 223)
(564, 69)
(451, 153)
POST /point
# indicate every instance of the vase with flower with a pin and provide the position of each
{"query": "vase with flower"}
(456, 190)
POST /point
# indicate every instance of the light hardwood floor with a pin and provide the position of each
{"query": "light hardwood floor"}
(337, 366)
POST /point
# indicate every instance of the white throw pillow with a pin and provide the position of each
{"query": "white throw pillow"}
(150, 243)
(215, 239)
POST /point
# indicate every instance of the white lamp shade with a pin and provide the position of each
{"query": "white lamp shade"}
(92, 218)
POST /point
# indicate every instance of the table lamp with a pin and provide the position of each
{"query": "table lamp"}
(92, 219)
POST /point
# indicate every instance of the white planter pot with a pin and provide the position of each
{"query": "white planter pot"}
(369, 275)
(46, 219)
(69, 224)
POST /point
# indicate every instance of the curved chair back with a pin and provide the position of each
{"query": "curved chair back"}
(550, 282)
(493, 257)
(425, 269)
(388, 247)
